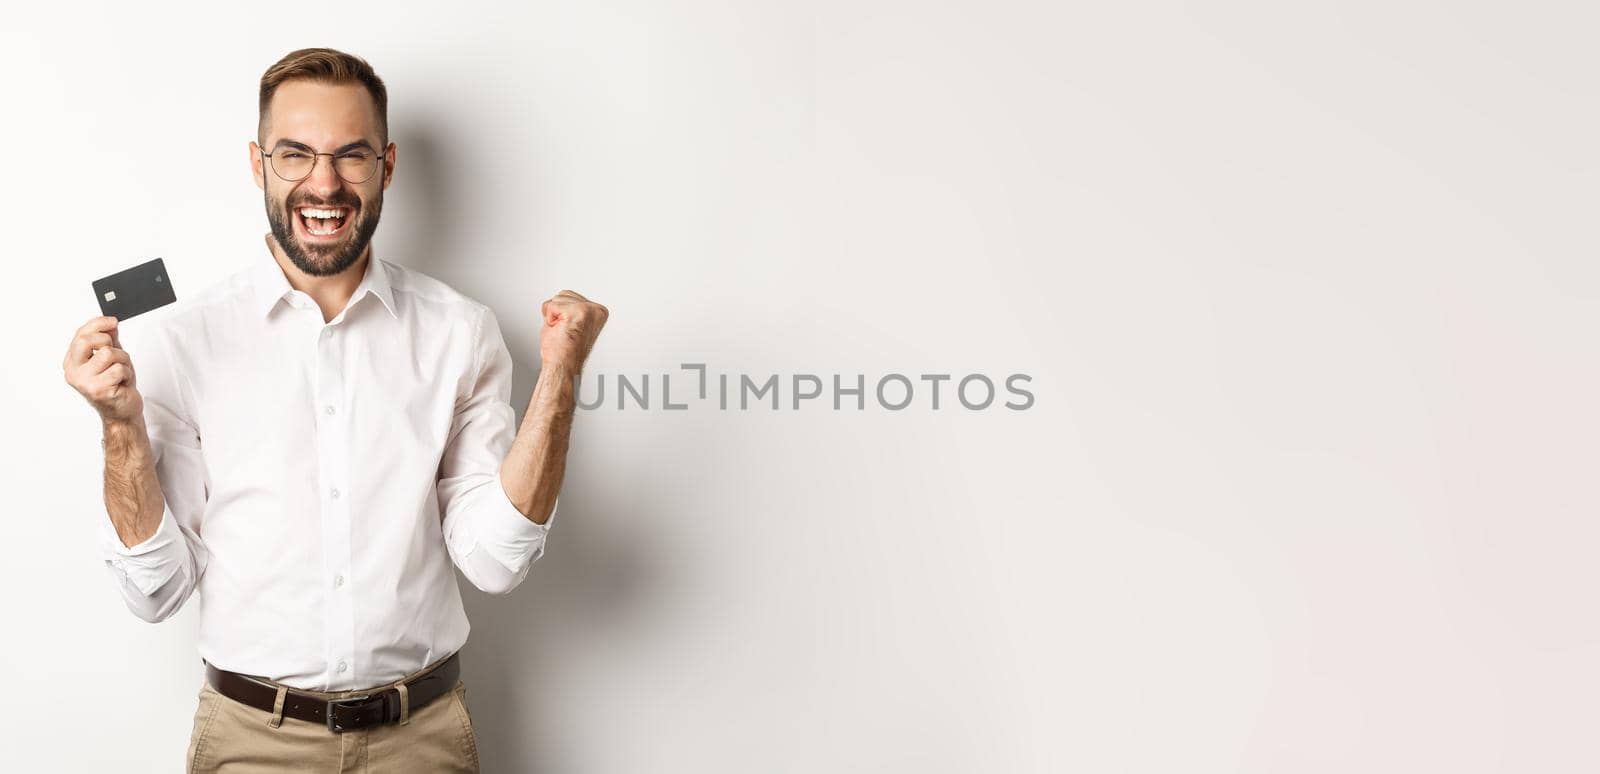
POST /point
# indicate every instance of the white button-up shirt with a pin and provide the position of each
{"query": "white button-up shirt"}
(321, 478)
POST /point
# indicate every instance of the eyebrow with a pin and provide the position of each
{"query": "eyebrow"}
(341, 149)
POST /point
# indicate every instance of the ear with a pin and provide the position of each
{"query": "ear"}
(255, 166)
(388, 165)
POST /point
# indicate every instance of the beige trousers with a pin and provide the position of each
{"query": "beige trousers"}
(230, 737)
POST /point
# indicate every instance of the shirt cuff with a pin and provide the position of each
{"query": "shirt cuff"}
(149, 564)
(508, 535)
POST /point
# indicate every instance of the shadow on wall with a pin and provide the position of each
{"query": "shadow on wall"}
(590, 577)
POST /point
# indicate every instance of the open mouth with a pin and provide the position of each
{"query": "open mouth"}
(320, 223)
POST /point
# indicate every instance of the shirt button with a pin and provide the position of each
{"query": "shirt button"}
(328, 410)
(335, 494)
(341, 666)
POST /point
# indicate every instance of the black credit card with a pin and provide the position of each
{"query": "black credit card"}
(132, 292)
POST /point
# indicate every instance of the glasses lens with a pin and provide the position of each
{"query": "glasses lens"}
(356, 166)
(291, 164)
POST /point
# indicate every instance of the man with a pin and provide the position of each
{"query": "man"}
(314, 444)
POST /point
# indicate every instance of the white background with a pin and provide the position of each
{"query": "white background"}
(1307, 294)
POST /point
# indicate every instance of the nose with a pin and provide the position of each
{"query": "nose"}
(324, 179)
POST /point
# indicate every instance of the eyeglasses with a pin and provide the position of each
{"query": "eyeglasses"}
(356, 165)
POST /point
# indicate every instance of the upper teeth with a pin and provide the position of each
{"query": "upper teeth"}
(311, 213)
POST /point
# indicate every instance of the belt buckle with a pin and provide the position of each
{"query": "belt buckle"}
(344, 702)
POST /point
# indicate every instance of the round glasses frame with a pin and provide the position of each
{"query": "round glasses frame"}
(333, 159)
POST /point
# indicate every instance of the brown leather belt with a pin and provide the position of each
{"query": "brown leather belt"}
(369, 708)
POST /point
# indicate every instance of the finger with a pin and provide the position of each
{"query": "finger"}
(572, 295)
(84, 344)
(97, 363)
(97, 324)
(103, 324)
(115, 375)
(556, 310)
(110, 357)
(99, 340)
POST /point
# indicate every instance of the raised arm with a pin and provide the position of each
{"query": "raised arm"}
(533, 470)
(155, 485)
(499, 493)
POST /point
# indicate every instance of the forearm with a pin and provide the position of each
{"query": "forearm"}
(533, 469)
(132, 492)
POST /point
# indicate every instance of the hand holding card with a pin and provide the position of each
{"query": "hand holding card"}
(102, 372)
(96, 365)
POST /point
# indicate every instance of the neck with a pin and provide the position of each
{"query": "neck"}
(331, 292)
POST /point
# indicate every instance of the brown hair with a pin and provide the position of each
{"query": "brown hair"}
(328, 66)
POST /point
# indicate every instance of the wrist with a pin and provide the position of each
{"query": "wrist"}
(121, 432)
(555, 395)
(121, 427)
(559, 371)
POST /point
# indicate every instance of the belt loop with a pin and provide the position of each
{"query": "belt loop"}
(405, 702)
(277, 707)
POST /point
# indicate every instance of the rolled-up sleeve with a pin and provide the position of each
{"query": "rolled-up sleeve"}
(157, 575)
(491, 541)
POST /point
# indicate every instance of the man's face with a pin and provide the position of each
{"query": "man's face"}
(307, 117)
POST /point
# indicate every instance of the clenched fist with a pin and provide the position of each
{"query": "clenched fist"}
(571, 325)
(98, 368)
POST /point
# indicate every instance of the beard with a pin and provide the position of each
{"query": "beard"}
(320, 260)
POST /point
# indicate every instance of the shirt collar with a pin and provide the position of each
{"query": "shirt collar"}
(271, 285)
